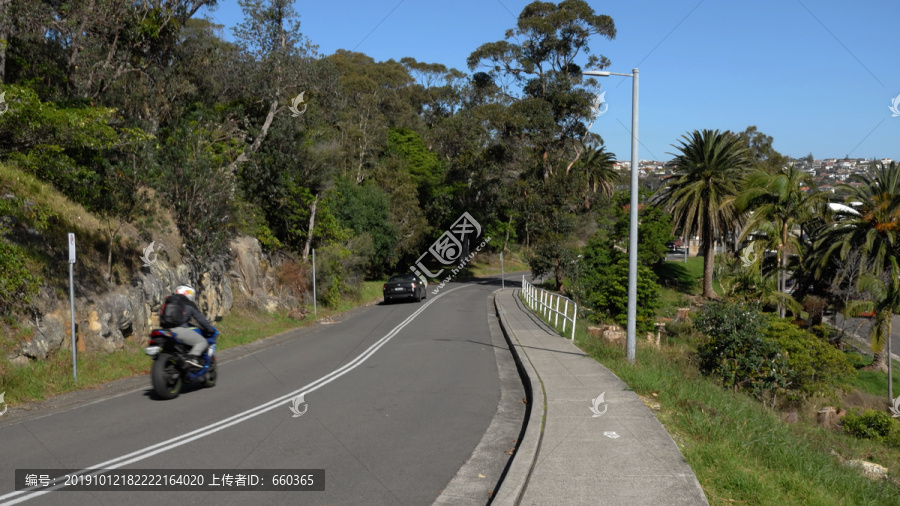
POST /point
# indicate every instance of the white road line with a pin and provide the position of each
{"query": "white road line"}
(183, 439)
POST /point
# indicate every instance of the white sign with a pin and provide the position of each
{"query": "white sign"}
(71, 248)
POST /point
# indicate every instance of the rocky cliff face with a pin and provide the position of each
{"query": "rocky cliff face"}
(104, 321)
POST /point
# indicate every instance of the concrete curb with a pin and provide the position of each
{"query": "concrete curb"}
(479, 478)
(516, 480)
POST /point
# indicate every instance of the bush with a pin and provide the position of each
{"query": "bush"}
(680, 327)
(602, 285)
(17, 283)
(736, 351)
(340, 269)
(856, 360)
(814, 366)
(295, 276)
(870, 424)
(815, 307)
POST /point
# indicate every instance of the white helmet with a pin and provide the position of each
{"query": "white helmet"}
(187, 291)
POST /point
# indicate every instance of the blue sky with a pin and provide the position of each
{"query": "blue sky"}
(817, 75)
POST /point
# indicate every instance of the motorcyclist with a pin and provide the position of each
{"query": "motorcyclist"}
(184, 296)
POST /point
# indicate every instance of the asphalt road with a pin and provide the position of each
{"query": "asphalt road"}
(397, 399)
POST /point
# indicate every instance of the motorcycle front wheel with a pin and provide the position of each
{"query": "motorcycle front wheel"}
(166, 376)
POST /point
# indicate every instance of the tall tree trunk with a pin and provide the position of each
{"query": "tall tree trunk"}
(881, 329)
(5, 32)
(877, 361)
(249, 150)
(546, 164)
(506, 239)
(709, 256)
(76, 42)
(111, 235)
(312, 223)
(783, 268)
(779, 282)
(889, 361)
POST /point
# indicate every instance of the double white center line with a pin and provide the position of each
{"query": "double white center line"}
(145, 453)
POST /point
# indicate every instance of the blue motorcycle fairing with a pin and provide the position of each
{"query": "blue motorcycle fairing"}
(211, 340)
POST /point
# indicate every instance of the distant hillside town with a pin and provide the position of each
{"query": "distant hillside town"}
(825, 173)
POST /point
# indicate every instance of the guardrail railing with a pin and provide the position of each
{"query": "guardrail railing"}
(542, 302)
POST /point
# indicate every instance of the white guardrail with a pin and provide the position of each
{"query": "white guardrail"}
(542, 302)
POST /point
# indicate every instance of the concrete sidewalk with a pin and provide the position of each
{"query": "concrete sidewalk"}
(622, 457)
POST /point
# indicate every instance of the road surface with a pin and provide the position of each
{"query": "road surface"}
(396, 398)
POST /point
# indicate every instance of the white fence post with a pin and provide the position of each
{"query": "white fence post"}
(574, 315)
(541, 303)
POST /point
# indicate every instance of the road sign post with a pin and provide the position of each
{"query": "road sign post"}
(72, 302)
(314, 282)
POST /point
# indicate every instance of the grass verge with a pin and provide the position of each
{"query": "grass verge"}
(740, 451)
(43, 379)
(488, 264)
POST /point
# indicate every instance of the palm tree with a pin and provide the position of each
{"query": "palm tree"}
(873, 230)
(702, 192)
(778, 205)
(749, 283)
(885, 293)
(598, 166)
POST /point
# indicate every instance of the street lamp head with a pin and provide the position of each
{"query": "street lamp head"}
(596, 73)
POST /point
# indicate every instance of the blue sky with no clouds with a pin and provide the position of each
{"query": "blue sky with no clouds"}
(817, 75)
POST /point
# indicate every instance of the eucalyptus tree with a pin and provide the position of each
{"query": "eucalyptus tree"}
(546, 107)
(540, 63)
(275, 57)
(759, 146)
(779, 203)
(702, 191)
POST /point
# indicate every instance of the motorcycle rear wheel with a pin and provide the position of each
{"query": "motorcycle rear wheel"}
(211, 375)
(166, 376)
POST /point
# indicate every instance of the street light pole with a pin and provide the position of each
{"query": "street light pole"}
(631, 330)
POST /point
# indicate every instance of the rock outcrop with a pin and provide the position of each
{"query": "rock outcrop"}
(104, 322)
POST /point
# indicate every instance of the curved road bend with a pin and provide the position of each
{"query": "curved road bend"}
(397, 398)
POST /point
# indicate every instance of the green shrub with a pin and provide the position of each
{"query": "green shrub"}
(736, 351)
(856, 360)
(606, 289)
(869, 424)
(814, 366)
(680, 327)
(17, 283)
(340, 269)
(815, 308)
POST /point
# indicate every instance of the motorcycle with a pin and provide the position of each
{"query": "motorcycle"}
(170, 372)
